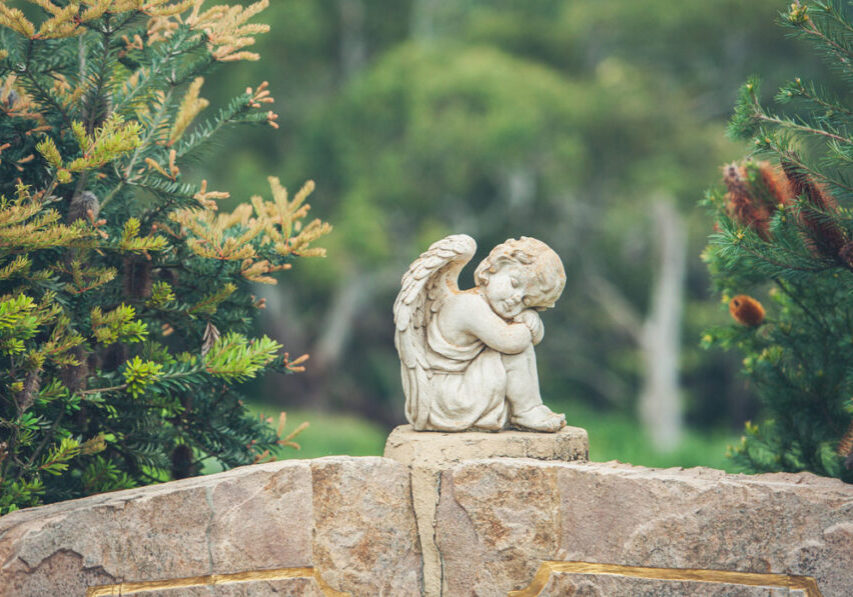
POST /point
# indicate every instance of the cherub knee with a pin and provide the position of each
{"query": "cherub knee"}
(521, 359)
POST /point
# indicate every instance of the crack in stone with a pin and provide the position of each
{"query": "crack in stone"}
(435, 532)
(208, 496)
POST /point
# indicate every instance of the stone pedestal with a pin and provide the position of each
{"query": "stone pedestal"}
(428, 453)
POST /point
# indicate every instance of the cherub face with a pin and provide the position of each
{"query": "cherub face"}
(506, 289)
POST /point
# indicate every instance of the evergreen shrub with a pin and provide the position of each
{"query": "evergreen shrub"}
(782, 257)
(125, 294)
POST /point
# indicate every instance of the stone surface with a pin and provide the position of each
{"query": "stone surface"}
(298, 587)
(592, 579)
(335, 525)
(437, 448)
(583, 585)
(294, 587)
(498, 520)
(365, 536)
(428, 453)
(276, 515)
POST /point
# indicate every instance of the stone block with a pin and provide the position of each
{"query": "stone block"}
(355, 513)
(428, 453)
(365, 536)
(499, 520)
(438, 448)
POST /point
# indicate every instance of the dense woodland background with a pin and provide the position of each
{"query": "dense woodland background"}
(595, 126)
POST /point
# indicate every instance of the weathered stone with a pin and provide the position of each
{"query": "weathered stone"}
(497, 521)
(426, 448)
(294, 587)
(593, 579)
(273, 516)
(341, 524)
(365, 537)
(582, 585)
(61, 573)
(428, 453)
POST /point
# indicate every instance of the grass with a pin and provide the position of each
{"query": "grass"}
(612, 436)
(327, 434)
(616, 436)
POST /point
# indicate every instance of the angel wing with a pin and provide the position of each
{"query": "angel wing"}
(429, 280)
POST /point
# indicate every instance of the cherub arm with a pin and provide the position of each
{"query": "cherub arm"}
(531, 319)
(469, 313)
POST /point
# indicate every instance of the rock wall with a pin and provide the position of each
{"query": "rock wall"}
(499, 521)
(517, 526)
(322, 526)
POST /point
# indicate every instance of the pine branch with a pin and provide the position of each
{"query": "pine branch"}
(101, 81)
(41, 94)
(205, 132)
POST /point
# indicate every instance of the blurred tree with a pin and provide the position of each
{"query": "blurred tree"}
(568, 120)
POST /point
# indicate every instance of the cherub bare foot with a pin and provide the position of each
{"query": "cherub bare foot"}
(539, 418)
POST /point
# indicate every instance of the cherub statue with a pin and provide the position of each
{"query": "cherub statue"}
(467, 357)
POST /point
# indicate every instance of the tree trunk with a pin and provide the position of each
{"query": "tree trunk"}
(353, 48)
(422, 19)
(660, 402)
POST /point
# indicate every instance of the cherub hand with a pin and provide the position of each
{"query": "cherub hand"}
(531, 319)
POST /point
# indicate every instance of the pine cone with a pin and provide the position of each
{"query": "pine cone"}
(32, 384)
(846, 255)
(114, 356)
(183, 464)
(80, 206)
(746, 310)
(741, 203)
(825, 236)
(776, 183)
(137, 277)
(96, 109)
(74, 377)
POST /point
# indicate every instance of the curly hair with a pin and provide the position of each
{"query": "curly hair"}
(546, 276)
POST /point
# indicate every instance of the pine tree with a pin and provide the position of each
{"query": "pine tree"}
(783, 234)
(125, 295)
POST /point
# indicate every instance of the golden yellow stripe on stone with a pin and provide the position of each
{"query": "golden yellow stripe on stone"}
(129, 588)
(754, 579)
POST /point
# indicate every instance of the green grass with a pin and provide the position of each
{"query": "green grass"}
(327, 434)
(612, 436)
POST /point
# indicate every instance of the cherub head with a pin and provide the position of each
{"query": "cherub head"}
(520, 274)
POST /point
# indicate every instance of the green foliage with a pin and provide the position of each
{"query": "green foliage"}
(560, 119)
(118, 325)
(139, 374)
(233, 357)
(783, 235)
(116, 273)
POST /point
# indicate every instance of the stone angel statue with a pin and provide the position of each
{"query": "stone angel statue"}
(467, 357)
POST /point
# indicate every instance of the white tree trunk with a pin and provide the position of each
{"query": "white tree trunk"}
(660, 401)
(353, 47)
(422, 19)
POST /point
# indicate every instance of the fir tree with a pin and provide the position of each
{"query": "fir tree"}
(125, 295)
(784, 234)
